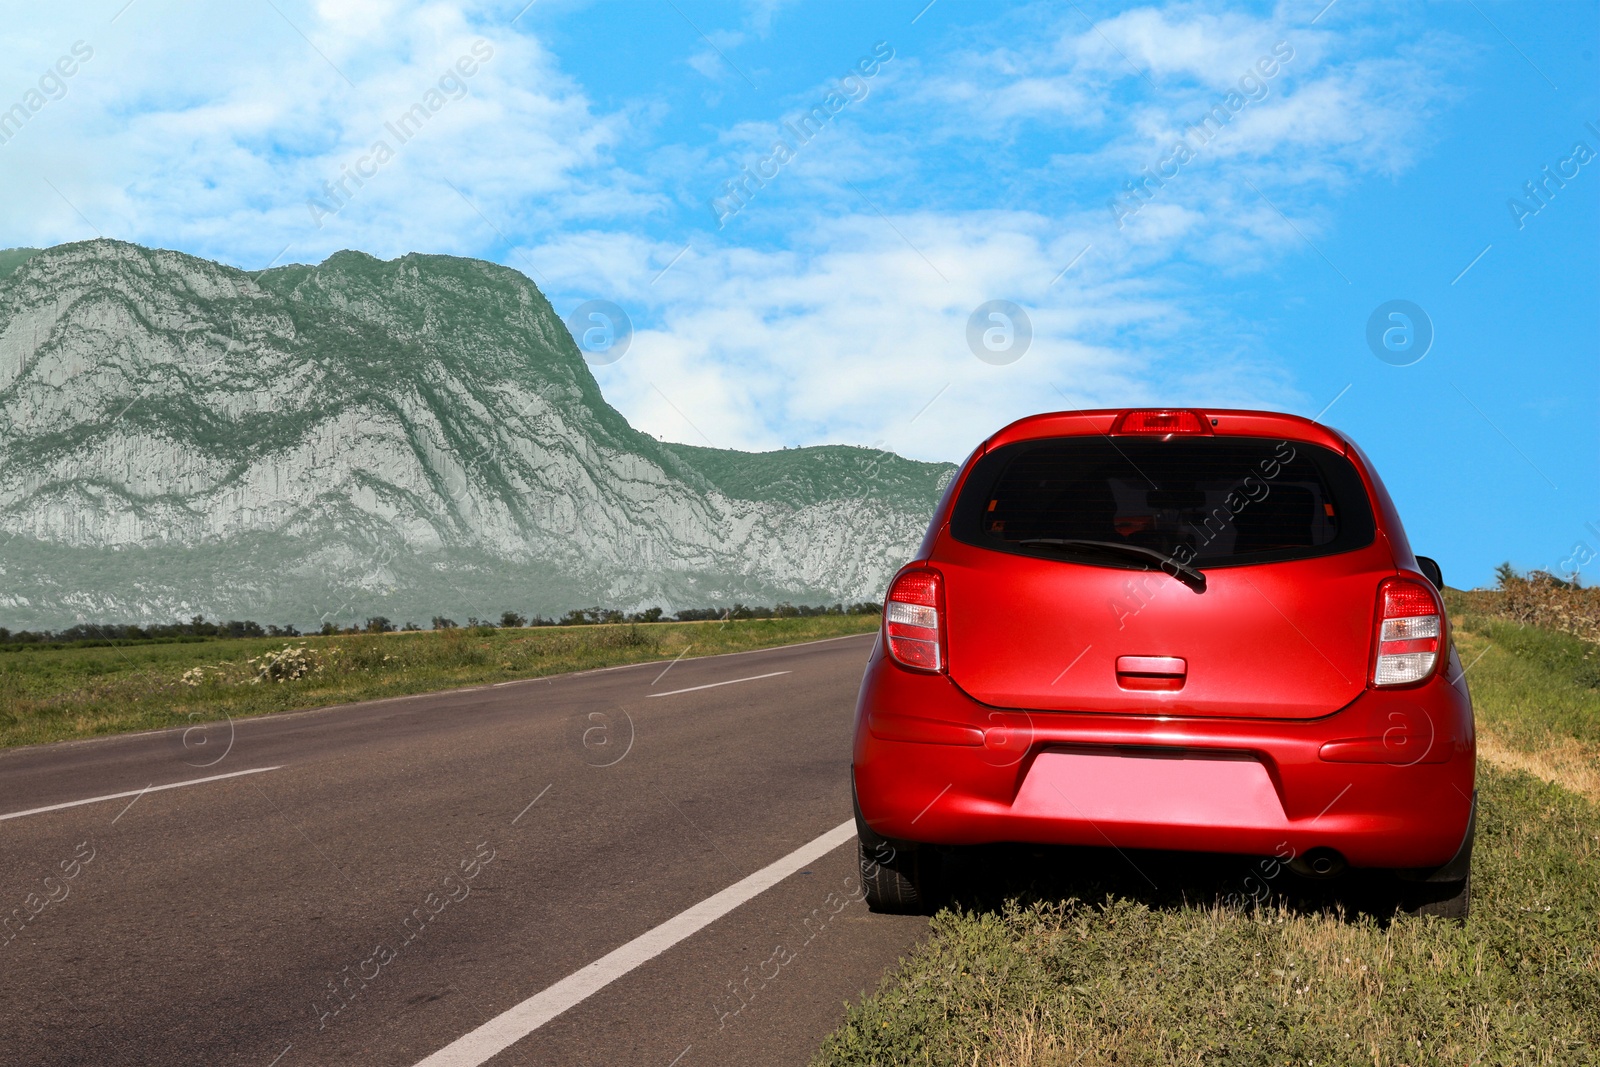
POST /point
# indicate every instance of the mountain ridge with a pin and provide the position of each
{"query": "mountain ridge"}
(406, 437)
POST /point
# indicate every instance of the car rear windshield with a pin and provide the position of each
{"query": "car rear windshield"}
(1206, 501)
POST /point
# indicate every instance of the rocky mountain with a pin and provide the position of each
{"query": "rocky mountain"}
(405, 438)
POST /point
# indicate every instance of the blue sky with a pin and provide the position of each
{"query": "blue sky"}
(591, 146)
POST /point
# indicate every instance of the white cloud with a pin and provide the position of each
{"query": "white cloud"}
(815, 318)
(1135, 82)
(1183, 42)
(851, 337)
(167, 139)
(848, 332)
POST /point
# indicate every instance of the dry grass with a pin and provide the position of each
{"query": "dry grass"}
(1538, 599)
(1537, 697)
(1569, 763)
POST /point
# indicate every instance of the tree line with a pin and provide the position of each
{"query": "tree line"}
(199, 629)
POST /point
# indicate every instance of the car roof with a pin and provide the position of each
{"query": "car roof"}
(1231, 422)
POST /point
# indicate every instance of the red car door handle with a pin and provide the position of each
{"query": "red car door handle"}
(1151, 672)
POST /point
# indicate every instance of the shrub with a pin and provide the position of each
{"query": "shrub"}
(698, 615)
(632, 637)
(285, 665)
(1542, 599)
(590, 616)
(510, 620)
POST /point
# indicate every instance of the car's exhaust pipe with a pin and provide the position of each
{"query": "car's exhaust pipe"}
(1319, 863)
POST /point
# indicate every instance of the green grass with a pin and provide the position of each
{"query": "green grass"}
(1530, 685)
(1071, 958)
(60, 694)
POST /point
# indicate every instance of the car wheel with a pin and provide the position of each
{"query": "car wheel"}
(1447, 900)
(892, 877)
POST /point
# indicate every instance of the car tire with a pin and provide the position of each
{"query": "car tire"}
(1447, 900)
(1445, 891)
(893, 878)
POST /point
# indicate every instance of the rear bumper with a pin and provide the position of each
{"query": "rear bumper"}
(1387, 781)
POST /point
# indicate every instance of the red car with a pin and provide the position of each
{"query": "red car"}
(1167, 629)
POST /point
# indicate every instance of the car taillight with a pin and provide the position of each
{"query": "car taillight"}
(913, 620)
(1410, 633)
(1163, 423)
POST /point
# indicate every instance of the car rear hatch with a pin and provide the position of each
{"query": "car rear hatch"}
(1057, 599)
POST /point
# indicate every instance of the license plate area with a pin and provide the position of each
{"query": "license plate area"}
(1160, 786)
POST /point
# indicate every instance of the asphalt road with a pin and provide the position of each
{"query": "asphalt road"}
(413, 869)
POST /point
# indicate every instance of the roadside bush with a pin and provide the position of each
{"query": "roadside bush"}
(1542, 599)
(590, 617)
(196, 676)
(285, 665)
(698, 615)
(632, 637)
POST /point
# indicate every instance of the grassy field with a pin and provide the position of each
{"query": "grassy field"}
(1537, 698)
(1067, 958)
(58, 694)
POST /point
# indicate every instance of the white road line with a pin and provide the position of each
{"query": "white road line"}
(713, 685)
(136, 792)
(512, 1025)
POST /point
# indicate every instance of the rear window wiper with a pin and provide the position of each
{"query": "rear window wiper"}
(1186, 574)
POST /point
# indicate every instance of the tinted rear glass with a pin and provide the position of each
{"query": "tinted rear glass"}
(1210, 501)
